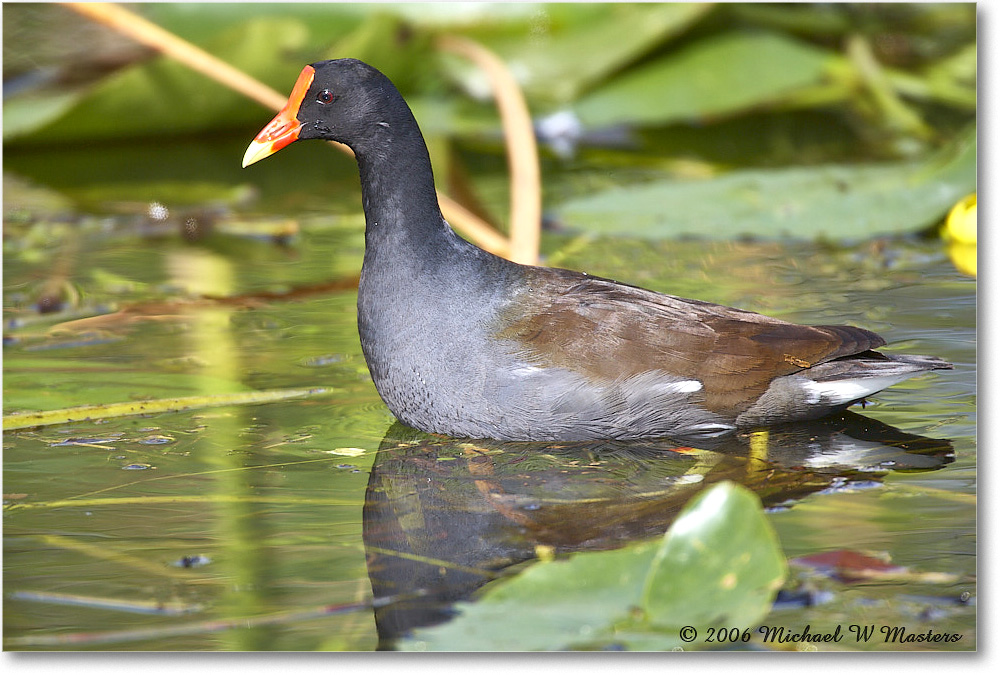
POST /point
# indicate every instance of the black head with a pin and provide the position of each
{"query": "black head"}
(342, 100)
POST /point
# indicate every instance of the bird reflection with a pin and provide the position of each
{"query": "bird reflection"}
(443, 516)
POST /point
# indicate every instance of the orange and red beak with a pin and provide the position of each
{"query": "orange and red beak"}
(284, 128)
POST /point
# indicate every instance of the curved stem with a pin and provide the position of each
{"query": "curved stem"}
(522, 151)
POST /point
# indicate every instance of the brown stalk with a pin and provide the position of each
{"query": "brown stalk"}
(151, 35)
(522, 152)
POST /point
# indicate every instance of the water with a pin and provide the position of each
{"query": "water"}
(270, 499)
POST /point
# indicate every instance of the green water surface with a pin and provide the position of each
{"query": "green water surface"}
(272, 496)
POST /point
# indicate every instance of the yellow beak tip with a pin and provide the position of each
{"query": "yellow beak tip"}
(256, 152)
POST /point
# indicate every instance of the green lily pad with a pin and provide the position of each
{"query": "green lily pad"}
(716, 76)
(568, 61)
(720, 560)
(203, 22)
(835, 201)
(405, 64)
(24, 114)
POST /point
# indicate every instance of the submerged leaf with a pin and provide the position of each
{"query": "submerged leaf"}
(90, 412)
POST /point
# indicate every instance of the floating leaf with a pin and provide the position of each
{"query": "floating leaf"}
(837, 201)
(715, 76)
(720, 560)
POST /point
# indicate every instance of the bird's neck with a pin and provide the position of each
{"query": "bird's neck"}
(402, 214)
(409, 248)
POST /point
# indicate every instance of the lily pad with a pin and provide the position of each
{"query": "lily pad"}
(24, 114)
(836, 201)
(570, 59)
(405, 64)
(719, 561)
(716, 76)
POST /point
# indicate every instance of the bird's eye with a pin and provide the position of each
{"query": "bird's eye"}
(324, 97)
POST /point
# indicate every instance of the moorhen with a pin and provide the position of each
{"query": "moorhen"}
(465, 343)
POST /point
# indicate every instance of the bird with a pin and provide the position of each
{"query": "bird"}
(467, 344)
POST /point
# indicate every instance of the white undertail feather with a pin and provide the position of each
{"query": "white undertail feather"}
(845, 391)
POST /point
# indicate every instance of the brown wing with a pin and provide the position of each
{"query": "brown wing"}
(608, 330)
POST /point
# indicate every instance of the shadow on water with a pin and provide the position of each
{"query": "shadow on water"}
(442, 517)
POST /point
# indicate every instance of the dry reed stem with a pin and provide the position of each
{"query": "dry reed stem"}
(522, 151)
